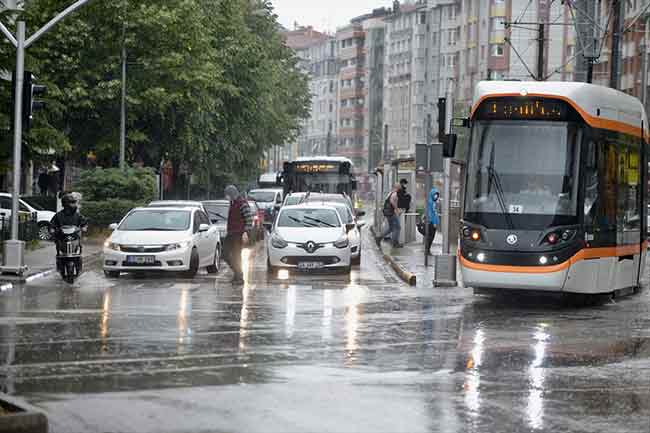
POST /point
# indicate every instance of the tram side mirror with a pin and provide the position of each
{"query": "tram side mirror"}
(354, 185)
(449, 146)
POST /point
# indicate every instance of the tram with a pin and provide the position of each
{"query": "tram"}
(556, 189)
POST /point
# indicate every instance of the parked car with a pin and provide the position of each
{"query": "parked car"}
(177, 203)
(354, 235)
(309, 237)
(269, 200)
(43, 217)
(163, 239)
(217, 211)
(258, 221)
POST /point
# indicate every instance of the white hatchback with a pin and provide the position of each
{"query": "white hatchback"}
(309, 237)
(165, 239)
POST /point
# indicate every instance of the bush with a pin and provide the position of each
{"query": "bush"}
(103, 213)
(133, 184)
(45, 201)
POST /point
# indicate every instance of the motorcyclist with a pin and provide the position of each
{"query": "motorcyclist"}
(69, 216)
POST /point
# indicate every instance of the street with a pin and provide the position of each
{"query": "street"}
(319, 353)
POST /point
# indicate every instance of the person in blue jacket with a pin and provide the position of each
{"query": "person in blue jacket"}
(433, 220)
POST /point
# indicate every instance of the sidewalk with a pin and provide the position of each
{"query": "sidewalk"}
(42, 260)
(411, 258)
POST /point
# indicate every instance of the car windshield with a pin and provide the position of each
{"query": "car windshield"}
(172, 204)
(343, 211)
(292, 200)
(309, 218)
(156, 220)
(217, 212)
(36, 206)
(262, 196)
(523, 173)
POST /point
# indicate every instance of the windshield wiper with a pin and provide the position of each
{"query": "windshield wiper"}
(157, 229)
(316, 220)
(299, 221)
(496, 181)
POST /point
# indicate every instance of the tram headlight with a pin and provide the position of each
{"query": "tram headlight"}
(480, 257)
(543, 260)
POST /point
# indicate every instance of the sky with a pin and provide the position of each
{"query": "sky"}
(323, 15)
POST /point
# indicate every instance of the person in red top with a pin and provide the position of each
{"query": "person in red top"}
(240, 222)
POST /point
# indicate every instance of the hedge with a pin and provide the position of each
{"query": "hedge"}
(103, 213)
(136, 184)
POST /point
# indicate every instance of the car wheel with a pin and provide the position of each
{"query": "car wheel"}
(112, 274)
(194, 264)
(214, 268)
(44, 231)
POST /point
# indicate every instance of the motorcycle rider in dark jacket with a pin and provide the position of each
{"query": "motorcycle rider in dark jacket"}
(70, 215)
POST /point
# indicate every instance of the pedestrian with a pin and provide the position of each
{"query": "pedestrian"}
(392, 212)
(240, 223)
(43, 182)
(433, 220)
(403, 196)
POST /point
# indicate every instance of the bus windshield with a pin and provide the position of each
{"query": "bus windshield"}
(523, 174)
(322, 182)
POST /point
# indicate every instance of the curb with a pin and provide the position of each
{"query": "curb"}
(90, 259)
(406, 276)
(23, 418)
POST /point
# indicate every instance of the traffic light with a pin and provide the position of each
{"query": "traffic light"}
(31, 92)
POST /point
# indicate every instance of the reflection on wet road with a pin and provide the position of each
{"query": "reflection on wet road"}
(298, 353)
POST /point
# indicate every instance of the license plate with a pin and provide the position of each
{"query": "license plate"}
(141, 260)
(310, 265)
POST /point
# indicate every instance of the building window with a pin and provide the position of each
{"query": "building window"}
(497, 50)
(423, 17)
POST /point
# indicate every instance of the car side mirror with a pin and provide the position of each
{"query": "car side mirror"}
(113, 226)
(360, 213)
(449, 145)
(361, 224)
(268, 227)
(277, 206)
(204, 228)
(349, 227)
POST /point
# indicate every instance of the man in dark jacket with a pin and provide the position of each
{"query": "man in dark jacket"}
(240, 222)
(403, 196)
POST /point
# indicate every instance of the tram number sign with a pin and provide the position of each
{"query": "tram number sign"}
(516, 209)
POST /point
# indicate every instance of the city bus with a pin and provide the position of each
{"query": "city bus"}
(325, 174)
(556, 189)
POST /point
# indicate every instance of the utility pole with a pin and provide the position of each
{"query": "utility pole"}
(616, 42)
(123, 102)
(385, 156)
(540, 53)
(14, 249)
(328, 148)
(427, 188)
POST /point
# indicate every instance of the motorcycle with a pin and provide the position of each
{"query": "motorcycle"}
(68, 252)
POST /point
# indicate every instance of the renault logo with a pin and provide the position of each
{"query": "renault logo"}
(310, 247)
(512, 239)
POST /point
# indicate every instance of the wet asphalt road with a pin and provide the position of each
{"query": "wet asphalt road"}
(320, 354)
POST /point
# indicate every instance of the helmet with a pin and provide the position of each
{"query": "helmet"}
(69, 201)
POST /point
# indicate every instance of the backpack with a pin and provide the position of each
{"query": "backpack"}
(388, 207)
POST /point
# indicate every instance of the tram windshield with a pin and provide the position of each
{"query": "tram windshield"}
(523, 174)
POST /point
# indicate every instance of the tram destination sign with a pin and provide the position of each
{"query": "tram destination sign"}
(522, 108)
(316, 167)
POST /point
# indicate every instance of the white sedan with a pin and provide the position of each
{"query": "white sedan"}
(309, 237)
(164, 239)
(43, 217)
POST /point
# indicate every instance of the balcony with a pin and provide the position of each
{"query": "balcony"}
(497, 37)
(352, 111)
(355, 92)
(351, 72)
(351, 132)
(351, 52)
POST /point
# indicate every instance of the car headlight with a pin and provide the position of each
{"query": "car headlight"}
(177, 246)
(278, 242)
(342, 242)
(112, 246)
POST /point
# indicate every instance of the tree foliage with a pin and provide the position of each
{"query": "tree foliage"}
(105, 184)
(210, 82)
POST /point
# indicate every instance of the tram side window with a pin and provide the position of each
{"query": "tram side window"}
(629, 183)
(600, 203)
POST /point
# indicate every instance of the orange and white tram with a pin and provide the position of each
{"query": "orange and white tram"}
(556, 188)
